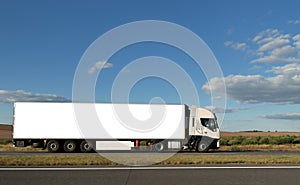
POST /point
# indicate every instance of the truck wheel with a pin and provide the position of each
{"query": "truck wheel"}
(69, 146)
(159, 147)
(86, 147)
(53, 146)
(203, 146)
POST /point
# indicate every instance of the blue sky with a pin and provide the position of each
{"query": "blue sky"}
(257, 45)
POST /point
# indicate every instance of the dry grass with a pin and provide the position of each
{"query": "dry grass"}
(92, 160)
(233, 159)
(52, 160)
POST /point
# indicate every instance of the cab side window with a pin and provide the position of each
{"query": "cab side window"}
(205, 122)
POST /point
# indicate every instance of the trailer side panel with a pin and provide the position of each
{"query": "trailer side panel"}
(58, 121)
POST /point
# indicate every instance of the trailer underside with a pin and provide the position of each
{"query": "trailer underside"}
(200, 144)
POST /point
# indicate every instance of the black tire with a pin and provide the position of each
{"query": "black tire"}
(159, 147)
(53, 146)
(86, 147)
(203, 146)
(70, 146)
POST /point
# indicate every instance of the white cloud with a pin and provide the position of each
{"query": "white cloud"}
(284, 116)
(289, 70)
(282, 88)
(279, 54)
(240, 46)
(283, 51)
(265, 36)
(273, 46)
(270, 39)
(273, 59)
(23, 96)
(226, 110)
(99, 65)
(296, 39)
(237, 45)
(293, 22)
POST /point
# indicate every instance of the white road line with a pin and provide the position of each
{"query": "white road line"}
(147, 168)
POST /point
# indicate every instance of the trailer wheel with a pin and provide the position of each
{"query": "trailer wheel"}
(69, 146)
(86, 147)
(203, 146)
(159, 147)
(53, 146)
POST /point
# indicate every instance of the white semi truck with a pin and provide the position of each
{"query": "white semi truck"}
(68, 127)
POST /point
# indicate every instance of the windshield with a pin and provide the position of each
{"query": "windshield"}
(209, 123)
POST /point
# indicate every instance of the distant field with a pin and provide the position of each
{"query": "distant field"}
(5, 131)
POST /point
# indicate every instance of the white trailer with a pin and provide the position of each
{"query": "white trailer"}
(71, 127)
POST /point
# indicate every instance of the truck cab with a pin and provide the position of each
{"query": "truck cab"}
(204, 133)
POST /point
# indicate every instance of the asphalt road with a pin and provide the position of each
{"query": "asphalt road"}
(153, 176)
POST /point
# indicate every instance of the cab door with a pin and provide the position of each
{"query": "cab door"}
(199, 128)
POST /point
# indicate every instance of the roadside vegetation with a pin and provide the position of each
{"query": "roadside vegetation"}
(260, 143)
(259, 140)
(4, 141)
(7, 146)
